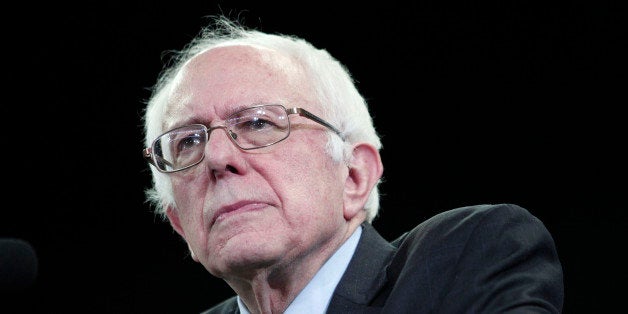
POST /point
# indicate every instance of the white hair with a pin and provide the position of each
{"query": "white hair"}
(342, 105)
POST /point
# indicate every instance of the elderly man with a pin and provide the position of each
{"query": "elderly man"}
(266, 161)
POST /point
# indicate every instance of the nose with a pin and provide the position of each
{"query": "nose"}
(221, 152)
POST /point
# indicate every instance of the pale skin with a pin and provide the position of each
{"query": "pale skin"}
(265, 220)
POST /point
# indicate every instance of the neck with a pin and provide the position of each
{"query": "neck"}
(271, 289)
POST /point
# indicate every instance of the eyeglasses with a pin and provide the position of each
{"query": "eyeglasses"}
(250, 128)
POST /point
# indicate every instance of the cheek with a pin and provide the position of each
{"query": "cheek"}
(189, 196)
(312, 181)
(189, 189)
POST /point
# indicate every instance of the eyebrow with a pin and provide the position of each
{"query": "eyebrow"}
(230, 111)
(233, 110)
(183, 122)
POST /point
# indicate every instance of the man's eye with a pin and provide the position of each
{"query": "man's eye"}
(257, 124)
(253, 125)
(189, 142)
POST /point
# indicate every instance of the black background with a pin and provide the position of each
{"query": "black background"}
(476, 102)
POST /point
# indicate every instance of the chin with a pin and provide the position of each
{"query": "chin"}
(245, 252)
(243, 265)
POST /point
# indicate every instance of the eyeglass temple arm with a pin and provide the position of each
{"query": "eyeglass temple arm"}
(311, 116)
(148, 155)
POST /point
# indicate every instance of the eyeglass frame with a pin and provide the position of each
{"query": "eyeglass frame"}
(148, 155)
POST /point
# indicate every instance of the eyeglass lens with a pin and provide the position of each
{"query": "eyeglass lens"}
(249, 129)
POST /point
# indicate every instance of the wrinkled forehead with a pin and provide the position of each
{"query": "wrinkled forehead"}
(222, 80)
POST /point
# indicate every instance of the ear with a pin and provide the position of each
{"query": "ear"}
(175, 222)
(365, 170)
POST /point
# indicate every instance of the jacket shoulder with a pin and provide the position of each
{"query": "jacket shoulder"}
(467, 218)
(487, 257)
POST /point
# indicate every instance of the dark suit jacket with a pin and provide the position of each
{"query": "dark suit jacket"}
(476, 259)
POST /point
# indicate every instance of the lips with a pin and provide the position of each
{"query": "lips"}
(239, 207)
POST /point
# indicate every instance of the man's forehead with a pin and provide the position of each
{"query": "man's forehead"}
(222, 80)
(239, 54)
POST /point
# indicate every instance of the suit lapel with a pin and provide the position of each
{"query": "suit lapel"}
(365, 275)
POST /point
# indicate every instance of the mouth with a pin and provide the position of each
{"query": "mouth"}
(225, 212)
